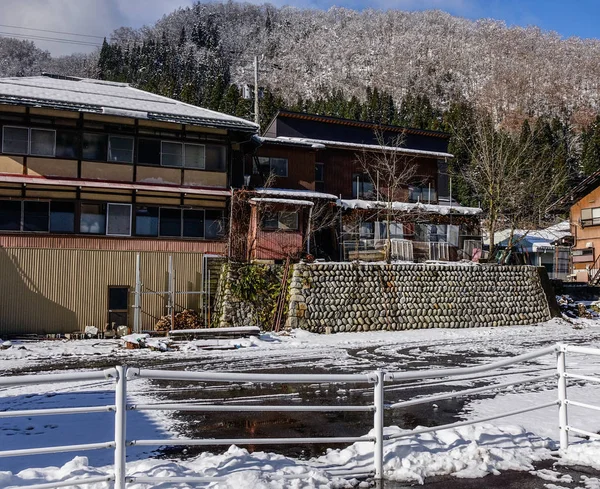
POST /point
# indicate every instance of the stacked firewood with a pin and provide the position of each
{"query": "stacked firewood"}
(186, 319)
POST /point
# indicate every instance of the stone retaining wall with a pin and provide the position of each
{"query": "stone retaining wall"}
(368, 297)
(230, 310)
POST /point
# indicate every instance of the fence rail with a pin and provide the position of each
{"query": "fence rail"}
(379, 379)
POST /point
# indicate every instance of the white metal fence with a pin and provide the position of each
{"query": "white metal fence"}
(379, 379)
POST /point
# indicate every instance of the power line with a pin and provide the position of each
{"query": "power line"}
(50, 39)
(53, 32)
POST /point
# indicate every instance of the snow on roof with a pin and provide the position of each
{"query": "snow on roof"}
(289, 142)
(409, 207)
(87, 95)
(537, 239)
(372, 147)
(269, 200)
(285, 192)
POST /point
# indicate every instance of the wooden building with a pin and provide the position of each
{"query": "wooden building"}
(92, 172)
(322, 159)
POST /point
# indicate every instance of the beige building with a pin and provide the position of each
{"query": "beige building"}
(93, 172)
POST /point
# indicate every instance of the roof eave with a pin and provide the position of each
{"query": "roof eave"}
(95, 109)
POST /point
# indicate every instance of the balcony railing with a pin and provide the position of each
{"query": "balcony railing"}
(401, 249)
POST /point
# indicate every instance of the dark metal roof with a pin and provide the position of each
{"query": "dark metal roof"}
(362, 124)
(579, 191)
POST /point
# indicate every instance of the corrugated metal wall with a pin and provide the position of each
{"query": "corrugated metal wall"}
(62, 290)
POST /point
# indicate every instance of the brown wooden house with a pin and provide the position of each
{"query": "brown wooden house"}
(317, 158)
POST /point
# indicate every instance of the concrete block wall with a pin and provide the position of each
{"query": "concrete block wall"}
(375, 296)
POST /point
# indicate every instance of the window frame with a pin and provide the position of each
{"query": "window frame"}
(47, 231)
(162, 142)
(79, 215)
(28, 152)
(108, 206)
(195, 209)
(75, 216)
(203, 146)
(160, 210)
(591, 221)
(53, 131)
(278, 215)
(271, 158)
(14, 127)
(82, 142)
(108, 150)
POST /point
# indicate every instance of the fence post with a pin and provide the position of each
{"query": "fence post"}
(378, 423)
(120, 427)
(561, 368)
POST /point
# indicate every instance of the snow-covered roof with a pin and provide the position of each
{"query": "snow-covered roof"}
(369, 147)
(292, 193)
(111, 98)
(535, 240)
(409, 207)
(270, 200)
(289, 142)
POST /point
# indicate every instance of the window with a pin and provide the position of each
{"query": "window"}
(67, 145)
(62, 217)
(149, 151)
(319, 167)
(120, 149)
(284, 220)
(10, 215)
(95, 146)
(277, 166)
(270, 220)
(590, 217)
(118, 220)
(43, 142)
(15, 140)
(171, 154)
(93, 220)
(193, 223)
(21, 140)
(396, 230)
(36, 216)
(215, 158)
(434, 233)
(367, 230)
(170, 222)
(194, 156)
(362, 187)
(319, 177)
(213, 224)
(422, 194)
(146, 221)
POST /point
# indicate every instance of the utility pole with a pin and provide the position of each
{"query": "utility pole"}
(256, 114)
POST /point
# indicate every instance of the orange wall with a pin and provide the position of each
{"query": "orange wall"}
(585, 235)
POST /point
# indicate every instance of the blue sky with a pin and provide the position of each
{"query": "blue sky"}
(100, 17)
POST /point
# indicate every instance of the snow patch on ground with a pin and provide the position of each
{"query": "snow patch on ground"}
(466, 452)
